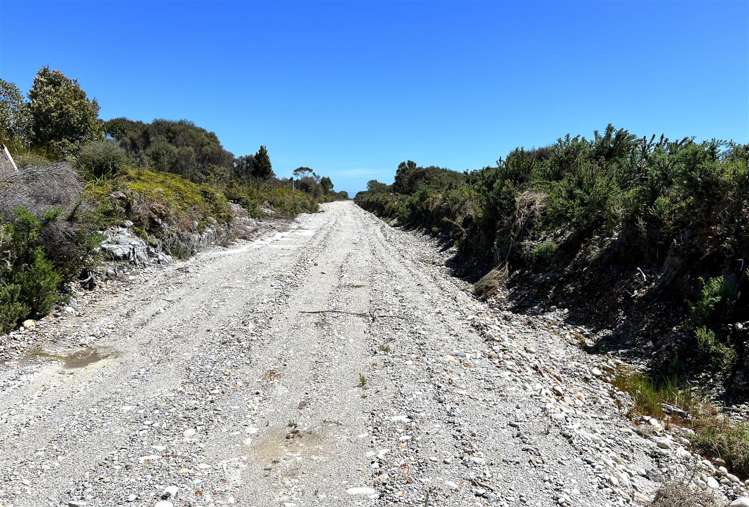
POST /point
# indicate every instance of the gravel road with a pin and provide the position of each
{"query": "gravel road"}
(333, 363)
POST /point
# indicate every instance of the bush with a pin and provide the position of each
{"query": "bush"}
(101, 159)
(719, 357)
(718, 437)
(29, 283)
(12, 309)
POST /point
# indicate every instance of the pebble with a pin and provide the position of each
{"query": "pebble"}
(361, 490)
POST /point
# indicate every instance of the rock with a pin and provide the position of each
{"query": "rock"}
(77, 503)
(662, 442)
(169, 492)
(712, 483)
(29, 324)
(400, 418)
(120, 244)
(163, 503)
(362, 490)
(742, 501)
(189, 433)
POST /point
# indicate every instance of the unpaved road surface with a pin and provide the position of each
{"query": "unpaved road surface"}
(335, 363)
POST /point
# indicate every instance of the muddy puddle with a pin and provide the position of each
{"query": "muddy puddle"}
(77, 359)
(273, 444)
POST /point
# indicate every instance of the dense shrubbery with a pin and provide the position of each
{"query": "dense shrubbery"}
(38, 256)
(170, 178)
(597, 214)
(101, 158)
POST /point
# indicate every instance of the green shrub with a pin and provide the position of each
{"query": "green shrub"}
(29, 283)
(101, 158)
(720, 357)
(716, 293)
(39, 283)
(545, 250)
(12, 309)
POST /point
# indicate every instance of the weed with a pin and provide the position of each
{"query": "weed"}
(385, 348)
(362, 381)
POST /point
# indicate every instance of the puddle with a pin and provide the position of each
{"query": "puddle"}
(79, 358)
(276, 443)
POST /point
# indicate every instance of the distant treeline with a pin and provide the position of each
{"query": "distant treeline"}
(645, 236)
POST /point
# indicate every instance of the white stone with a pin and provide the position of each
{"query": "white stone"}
(170, 492)
(361, 490)
(742, 501)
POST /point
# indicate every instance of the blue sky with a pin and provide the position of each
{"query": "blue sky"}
(351, 88)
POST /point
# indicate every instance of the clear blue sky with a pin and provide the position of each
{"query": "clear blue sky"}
(352, 88)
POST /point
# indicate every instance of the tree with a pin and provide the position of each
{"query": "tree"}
(15, 122)
(402, 176)
(303, 172)
(326, 184)
(262, 168)
(63, 116)
(244, 167)
(375, 186)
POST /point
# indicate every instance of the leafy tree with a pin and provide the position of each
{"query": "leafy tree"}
(303, 172)
(15, 123)
(262, 168)
(244, 167)
(63, 116)
(326, 184)
(375, 186)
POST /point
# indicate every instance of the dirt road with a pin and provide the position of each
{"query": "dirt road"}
(335, 363)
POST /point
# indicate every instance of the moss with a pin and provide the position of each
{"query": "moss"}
(182, 198)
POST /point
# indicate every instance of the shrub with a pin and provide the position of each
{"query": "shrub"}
(684, 494)
(719, 357)
(545, 250)
(719, 437)
(39, 283)
(29, 283)
(716, 293)
(101, 158)
(12, 309)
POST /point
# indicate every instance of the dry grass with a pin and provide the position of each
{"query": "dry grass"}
(40, 188)
(682, 494)
(715, 435)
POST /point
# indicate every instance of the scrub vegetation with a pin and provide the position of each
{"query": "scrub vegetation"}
(645, 237)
